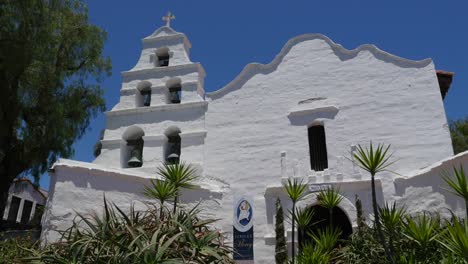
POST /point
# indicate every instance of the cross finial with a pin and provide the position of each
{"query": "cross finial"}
(168, 18)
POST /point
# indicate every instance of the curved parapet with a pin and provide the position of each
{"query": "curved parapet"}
(342, 53)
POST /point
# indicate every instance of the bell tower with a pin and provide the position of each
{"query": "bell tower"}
(160, 115)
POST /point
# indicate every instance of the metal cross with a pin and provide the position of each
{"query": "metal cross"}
(168, 18)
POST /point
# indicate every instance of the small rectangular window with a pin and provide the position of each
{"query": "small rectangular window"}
(27, 207)
(317, 148)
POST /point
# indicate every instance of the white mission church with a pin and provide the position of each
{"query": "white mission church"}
(301, 115)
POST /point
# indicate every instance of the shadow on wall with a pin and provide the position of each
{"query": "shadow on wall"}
(159, 117)
(131, 184)
(428, 191)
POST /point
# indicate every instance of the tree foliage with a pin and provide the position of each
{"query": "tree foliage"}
(281, 252)
(459, 134)
(51, 66)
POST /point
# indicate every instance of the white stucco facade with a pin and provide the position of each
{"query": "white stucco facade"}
(248, 137)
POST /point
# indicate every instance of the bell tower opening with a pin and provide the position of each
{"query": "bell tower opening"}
(173, 146)
(143, 94)
(174, 87)
(162, 55)
(132, 148)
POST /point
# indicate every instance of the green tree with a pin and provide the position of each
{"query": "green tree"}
(51, 66)
(375, 160)
(459, 134)
(281, 252)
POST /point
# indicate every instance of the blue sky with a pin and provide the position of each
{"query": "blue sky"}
(227, 35)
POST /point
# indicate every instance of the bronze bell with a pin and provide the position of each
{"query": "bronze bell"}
(174, 95)
(146, 98)
(135, 159)
(173, 158)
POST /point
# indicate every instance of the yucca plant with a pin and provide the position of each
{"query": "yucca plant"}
(459, 185)
(330, 198)
(180, 175)
(374, 160)
(310, 254)
(303, 219)
(325, 239)
(455, 239)
(162, 191)
(422, 230)
(392, 220)
(296, 190)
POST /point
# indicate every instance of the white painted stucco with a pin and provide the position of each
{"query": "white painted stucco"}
(237, 134)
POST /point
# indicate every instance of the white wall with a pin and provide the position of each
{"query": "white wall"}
(369, 95)
(237, 134)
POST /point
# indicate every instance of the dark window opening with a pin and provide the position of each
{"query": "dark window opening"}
(163, 60)
(14, 208)
(173, 149)
(136, 153)
(27, 207)
(317, 148)
(38, 214)
(146, 97)
(175, 94)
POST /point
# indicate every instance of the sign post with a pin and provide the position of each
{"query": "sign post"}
(243, 231)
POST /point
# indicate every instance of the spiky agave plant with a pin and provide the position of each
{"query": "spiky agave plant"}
(310, 254)
(459, 185)
(296, 190)
(423, 231)
(138, 237)
(374, 160)
(325, 239)
(392, 220)
(455, 239)
(180, 175)
(330, 198)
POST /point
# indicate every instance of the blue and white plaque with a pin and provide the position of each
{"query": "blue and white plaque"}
(243, 230)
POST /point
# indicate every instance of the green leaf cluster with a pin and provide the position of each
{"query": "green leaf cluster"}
(118, 236)
(459, 134)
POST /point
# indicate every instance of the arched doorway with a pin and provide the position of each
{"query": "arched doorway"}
(321, 220)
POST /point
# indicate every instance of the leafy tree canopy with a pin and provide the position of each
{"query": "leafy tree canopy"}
(459, 133)
(51, 65)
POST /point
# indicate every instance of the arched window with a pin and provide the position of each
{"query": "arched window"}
(172, 148)
(317, 148)
(143, 95)
(174, 87)
(162, 55)
(132, 147)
